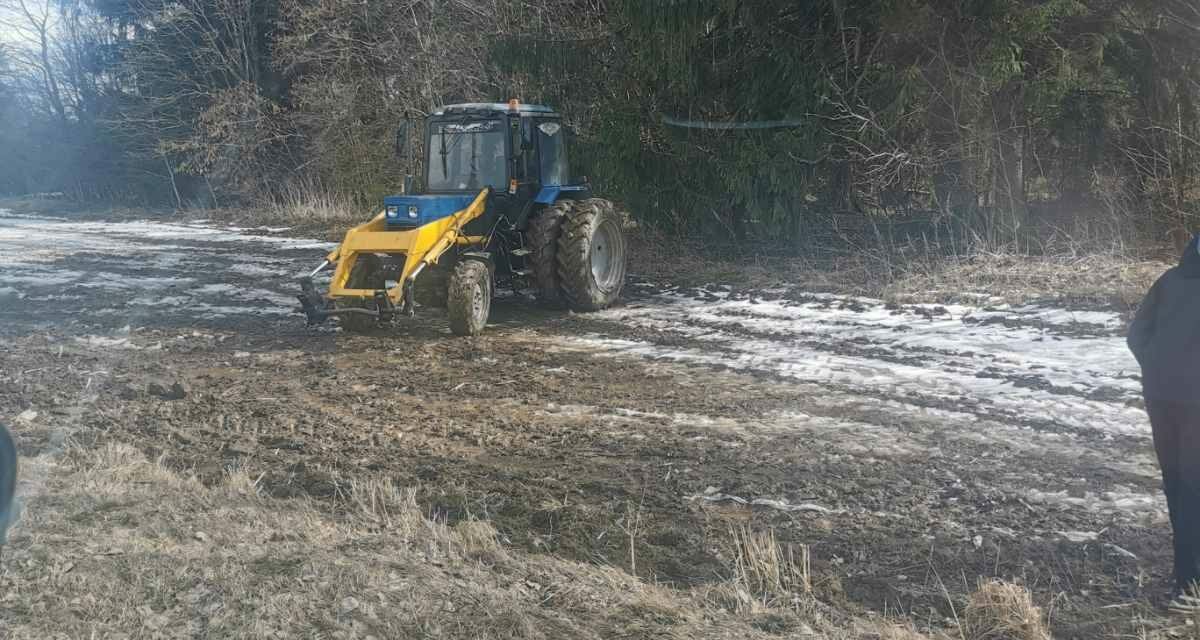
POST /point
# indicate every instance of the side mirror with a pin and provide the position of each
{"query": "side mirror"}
(402, 154)
(516, 135)
(527, 135)
(402, 140)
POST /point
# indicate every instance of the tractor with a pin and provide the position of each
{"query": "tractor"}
(498, 209)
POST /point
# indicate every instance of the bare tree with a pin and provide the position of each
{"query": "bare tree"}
(32, 25)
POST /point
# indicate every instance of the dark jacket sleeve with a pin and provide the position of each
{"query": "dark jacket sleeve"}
(1141, 332)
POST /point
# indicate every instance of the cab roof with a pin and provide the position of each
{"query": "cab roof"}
(491, 107)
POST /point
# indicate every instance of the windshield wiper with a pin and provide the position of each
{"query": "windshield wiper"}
(473, 178)
(445, 152)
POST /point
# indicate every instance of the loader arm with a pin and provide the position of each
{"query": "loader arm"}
(421, 246)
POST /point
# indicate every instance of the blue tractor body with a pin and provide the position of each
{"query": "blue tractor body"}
(406, 212)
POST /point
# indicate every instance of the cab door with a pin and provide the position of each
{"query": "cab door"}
(550, 139)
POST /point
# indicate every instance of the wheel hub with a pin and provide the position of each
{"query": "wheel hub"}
(477, 301)
(605, 254)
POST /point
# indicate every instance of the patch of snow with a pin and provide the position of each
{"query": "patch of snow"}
(1120, 501)
(40, 277)
(250, 269)
(263, 229)
(215, 288)
(1028, 364)
(780, 505)
(52, 297)
(123, 281)
(29, 235)
(218, 311)
(168, 301)
(105, 343)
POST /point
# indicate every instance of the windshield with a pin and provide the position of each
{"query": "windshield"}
(467, 156)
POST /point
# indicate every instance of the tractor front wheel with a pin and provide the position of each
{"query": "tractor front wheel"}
(591, 255)
(366, 274)
(469, 298)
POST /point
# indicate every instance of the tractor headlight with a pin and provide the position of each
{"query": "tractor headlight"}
(412, 211)
(392, 210)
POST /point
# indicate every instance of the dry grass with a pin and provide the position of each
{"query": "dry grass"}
(1112, 279)
(1109, 280)
(306, 209)
(1000, 610)
(65, 207)
(309, 203)
(115, 545)
(774, 573)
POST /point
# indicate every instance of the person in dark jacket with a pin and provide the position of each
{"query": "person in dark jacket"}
(1165, 339)
(8, 482)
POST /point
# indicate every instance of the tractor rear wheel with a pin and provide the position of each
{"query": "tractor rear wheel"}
(432, 284)
(366, 274)
(591, 255)
(542, 240)
(470, 298)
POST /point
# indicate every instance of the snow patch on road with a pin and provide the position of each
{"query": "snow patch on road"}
(250, 269)
(1047, 367)
(105, 343)
(1118, 502)
(175, 268)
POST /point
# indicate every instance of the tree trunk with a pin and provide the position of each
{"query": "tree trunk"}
(174, 187)
(1008, 180)
(954, 184)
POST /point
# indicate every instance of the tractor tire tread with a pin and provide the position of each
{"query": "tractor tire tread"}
(574, 260)
(468, 277)
(542, 238)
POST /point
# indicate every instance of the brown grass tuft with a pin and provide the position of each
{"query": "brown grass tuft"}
(771, 571)
(307, 202)
(1113, 279)
(1000, 610)
(480, 540)
(1108, 280)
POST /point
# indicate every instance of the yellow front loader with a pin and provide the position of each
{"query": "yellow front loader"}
(411, 249)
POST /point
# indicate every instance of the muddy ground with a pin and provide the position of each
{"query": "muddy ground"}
(914, 449)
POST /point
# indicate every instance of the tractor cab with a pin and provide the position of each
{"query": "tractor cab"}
(518, 151)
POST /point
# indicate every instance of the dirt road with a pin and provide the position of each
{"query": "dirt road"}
(914, 449)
